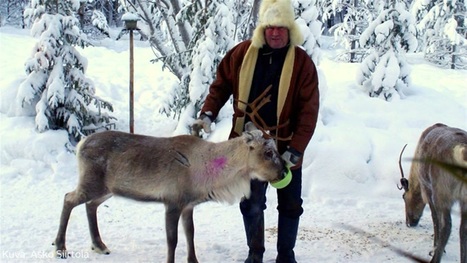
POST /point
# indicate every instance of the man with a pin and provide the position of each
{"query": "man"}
(270, 59)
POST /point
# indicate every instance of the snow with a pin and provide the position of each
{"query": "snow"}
(353, 210)
(130, 17)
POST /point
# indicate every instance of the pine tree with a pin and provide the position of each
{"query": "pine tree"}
(419, 10)
(110, 9)
(56, 85)
(307, 18)
(95, 17)
(11, 12)
(100, 22)
(356, 17)
(385, 72)
(443, 31)
(207, 53)
(215, 42)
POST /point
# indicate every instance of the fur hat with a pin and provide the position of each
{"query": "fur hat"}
(276, 13)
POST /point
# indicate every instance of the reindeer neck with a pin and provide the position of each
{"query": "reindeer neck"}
(224, 172)
(414, 179)
(227, 159)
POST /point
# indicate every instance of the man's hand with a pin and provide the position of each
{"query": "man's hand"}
(202, 123)
(291, 157)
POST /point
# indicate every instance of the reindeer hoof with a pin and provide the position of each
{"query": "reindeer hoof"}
(60, 250)
(101, 250)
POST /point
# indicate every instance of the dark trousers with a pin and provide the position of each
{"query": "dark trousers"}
(289, 207)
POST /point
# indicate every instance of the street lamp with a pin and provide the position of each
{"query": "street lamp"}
(131, 21)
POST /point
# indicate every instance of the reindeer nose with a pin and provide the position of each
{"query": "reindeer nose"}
(287, 177)
(412, 222)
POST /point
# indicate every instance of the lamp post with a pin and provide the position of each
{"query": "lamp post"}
(131, 21)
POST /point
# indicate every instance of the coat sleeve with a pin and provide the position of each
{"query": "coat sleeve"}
(226, 82)
(307, 107)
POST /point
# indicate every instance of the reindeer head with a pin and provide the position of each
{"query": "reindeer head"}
(265, 162)
(413, 200)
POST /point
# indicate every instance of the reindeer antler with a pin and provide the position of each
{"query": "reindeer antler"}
(404, 181)
(255, 106)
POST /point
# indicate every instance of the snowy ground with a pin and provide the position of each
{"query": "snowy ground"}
(353, 210)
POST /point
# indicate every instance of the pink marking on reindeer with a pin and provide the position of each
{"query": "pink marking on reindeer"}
(216, 166)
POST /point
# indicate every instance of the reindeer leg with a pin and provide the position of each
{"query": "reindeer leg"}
(187, 217)
(463, 232)
(71, 200)
(91, 211)
(172, 216)
(444, 230)
(435, 220)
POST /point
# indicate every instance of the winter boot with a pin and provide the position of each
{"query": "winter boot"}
(287, 234)
(254, 228)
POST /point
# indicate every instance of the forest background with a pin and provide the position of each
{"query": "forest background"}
(191, 37)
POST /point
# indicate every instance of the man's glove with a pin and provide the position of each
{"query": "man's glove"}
(202, 123)
(291, 157)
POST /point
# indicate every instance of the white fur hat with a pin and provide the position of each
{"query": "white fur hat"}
(276, 13)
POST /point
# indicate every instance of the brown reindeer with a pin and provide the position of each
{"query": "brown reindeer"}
(180, 172)
(431, 183)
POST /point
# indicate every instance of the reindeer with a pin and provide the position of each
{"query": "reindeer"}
(431, 183)
(180, 172)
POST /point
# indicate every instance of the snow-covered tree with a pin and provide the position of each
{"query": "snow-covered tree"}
(208, 53)
(443, 32)
(111, 9)
(11, 12)
(56, 85)
(331, 12)
(93, 21)
(419, 10)
(100, 22)
(311, 27)
(211, 39)
(356, 17)
(385, 72)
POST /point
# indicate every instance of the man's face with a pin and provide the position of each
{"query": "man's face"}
(276, 36)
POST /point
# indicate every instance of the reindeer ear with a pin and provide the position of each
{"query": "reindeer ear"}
(250, 127)
(251, 136)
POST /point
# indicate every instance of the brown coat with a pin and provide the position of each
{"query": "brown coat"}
(301, 97)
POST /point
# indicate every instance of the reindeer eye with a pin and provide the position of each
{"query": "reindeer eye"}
(269, 155)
